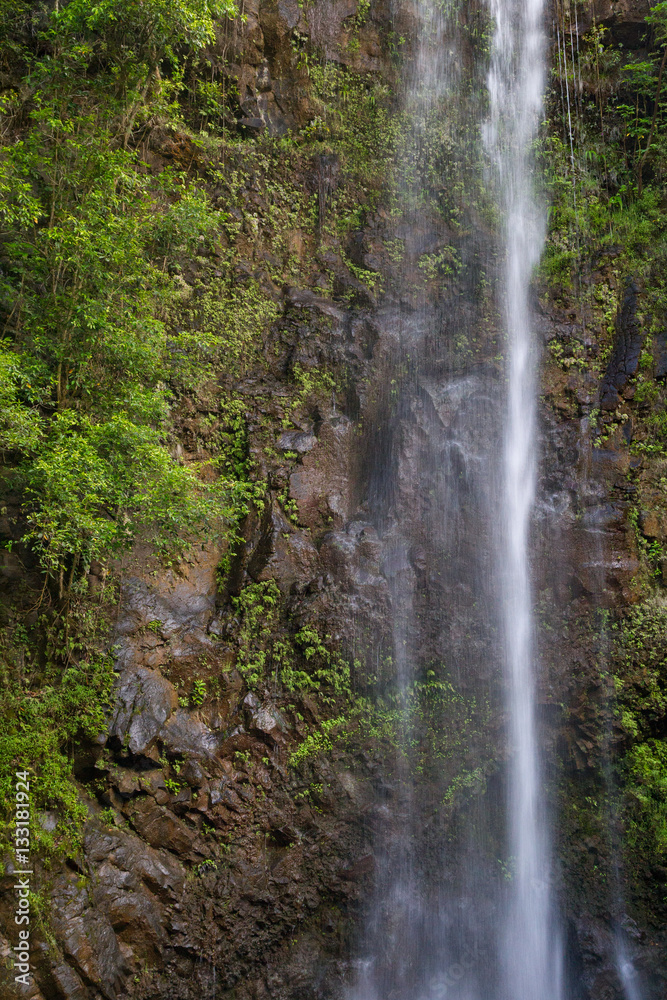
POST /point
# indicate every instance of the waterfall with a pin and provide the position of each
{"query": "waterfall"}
(530, 960)
(457, 453)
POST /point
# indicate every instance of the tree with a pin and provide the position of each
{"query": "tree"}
(658, 20)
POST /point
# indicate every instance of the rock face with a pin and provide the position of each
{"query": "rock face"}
(625, 18)
(211, 864)
(144, 702)
(628, 343)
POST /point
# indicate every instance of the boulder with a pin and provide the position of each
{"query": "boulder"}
(269, 722)
(144, 701)
(185, 733)
(160, 827)
(87, 938)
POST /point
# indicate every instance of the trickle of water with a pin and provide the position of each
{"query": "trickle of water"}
(626, 971)
(530, 948)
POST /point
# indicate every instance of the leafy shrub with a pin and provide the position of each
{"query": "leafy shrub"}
(87, 361)
(50, 701)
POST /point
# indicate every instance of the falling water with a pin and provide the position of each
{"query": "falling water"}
(531, 954)
(441, 461)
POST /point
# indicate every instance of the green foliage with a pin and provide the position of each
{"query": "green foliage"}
(444, 263)
(432, 158)
(21, 424)
(639, 655)
(646, 788)
(557, 265)
(221, 322)
(319, 742)
(52, 699)
(259, 607)
(363, 12)
(355, 119)
(90, 253)
(642, 680)
(605, 189)
(107, 816)
(93, 485)
(83, 290)
(299, 662)
(325, 670)
(207, 866)
(198, 692)
(442, 733)
(155, 27)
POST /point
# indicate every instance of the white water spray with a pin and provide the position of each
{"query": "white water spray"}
(469, 937)
(528, 945)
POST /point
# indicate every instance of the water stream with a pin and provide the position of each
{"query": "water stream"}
(531, 952)
(458, 459)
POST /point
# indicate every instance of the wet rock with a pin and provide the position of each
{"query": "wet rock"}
(292, 559)
(304, 299)
(362, 868)
(660, 354)
(160, 827)
(263, 78)
(158, 870)
(297, 441)
(68, 982)
(628, 343)
(201, 800)
(269, 722)
(144, 702)
(193, 773)
(180, 802)
(185, 733)
(126, 782)
(253, 124)
(241, 742)
(88, 939)
(599, 951)
(222, 793)
(175, 606)
(353, 787)
(652, 525)
(326, 22)
(352, 557)
(246, 793)
(321, 486)
(327, 170)
(604, 517)
(625, 18)
(165, 616)
(261, 775)
(251, 701)
(610, 463)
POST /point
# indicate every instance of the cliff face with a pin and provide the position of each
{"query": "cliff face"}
(236, 806)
